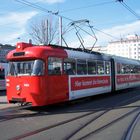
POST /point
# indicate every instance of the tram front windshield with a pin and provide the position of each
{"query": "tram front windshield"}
(23, 68)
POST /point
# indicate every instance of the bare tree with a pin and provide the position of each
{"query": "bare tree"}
(44, 32)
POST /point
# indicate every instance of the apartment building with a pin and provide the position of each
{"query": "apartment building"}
(127, 47)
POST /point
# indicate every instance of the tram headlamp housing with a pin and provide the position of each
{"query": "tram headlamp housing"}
(18, 87)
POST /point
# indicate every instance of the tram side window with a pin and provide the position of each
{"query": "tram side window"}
(136, 69)
(131, 69)
(127, 68)
(69, 66)
(121, 68)
(54, 66)
(124, 68)
(2, 75)
(91, 67)
(81, 67)
(107, 67)
(100, 67)
(118, 68)
(38, 67)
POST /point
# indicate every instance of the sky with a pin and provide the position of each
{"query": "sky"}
(109, 18)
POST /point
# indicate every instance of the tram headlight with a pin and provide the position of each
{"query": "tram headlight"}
(18, 87)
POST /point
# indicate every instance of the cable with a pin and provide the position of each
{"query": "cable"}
(33, 5)
(105, 33)
(30, 4)
(133, 12)
(129, 9)
(56, 14)
(84, 7)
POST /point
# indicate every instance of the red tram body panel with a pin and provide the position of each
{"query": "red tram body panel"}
(44, 75)
(38, 90)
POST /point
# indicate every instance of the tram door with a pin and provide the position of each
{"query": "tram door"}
(113, 75)
(57, 81)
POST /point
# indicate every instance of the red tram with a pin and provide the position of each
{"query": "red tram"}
(44, 75)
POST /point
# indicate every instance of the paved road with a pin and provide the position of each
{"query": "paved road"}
(3, 101)
(101, 117)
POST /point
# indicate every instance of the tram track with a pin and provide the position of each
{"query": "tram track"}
(12, 113)
(31, 133)
(130, 130)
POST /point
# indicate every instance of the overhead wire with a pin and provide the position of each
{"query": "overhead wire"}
(105, 33)
(129, 9)
(88, 6)
(25, 2)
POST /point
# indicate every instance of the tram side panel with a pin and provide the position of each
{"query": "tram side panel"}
(83, 86)
(127, 75)
(57, 88)
(127, 81)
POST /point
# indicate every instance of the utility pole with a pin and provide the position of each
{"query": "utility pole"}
(47, 38)
(60, 31)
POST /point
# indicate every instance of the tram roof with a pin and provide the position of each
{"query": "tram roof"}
(29, 51)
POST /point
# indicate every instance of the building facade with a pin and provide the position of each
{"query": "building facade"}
(4, 49)
(128, 47)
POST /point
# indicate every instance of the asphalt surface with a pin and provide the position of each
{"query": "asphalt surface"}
(3, 101)
(112, 116)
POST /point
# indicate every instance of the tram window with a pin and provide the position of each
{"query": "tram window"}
(38, 67)
(23, 68)
(69, 66)
(131, 69)
(2, 74)
(122, 69)
(118, 68)
(100, 67)
(136, 69)
(107, 67)
(54, 66)
(81, 67)
(126, 68)
(91, 67)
